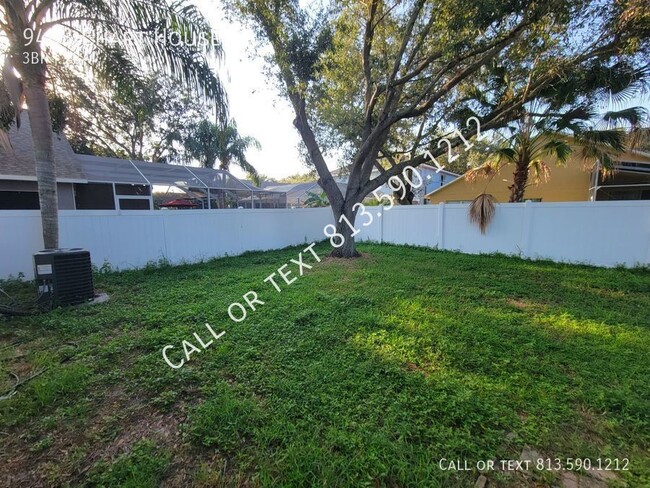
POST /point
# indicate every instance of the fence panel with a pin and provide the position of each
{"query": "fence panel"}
(598, 233)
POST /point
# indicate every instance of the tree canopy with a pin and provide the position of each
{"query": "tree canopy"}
(210, 143)
(138, 115)
(385, 80)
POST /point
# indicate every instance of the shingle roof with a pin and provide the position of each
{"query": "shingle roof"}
(21, 161)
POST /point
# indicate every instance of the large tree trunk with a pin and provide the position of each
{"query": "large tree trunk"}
(39, 118)
(348, 249)
(519, 183)
(405, 196)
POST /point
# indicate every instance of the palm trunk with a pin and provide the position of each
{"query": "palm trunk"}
(519, 183)
(39, 118)
(348, 249)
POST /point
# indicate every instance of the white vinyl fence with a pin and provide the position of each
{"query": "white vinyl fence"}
(131, 239)
(598, 233)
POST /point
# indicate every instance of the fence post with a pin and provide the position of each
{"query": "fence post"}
(381, 225)
(525, 229)
(441, 225)
(163, 216)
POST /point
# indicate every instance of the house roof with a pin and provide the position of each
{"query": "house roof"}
(109, 170)
(19, 164)
(250, 185)
(297, 192)
(447, 185)
(294, 187)
(20, 161)
(451, 173)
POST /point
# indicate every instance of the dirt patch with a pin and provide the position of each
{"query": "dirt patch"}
(162, 429)
(525, 304)
(120, 420)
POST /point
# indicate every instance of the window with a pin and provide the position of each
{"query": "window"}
(94, 196)
(134, 204)
(623, 194)
(137, 190)
(19, 200)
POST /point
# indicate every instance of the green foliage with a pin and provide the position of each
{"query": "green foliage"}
(379, 83)
(124, 112)
(209, 143)
(316, 199)
(7, 112)
(300, 178)
(51, 390)
(544, 136)
(58, 112)
(139, 28)
(236, 418)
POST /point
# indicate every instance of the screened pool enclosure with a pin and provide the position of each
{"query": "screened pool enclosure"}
(134, 185)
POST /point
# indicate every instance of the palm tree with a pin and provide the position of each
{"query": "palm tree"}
(528, 150)
(209, 142)
(141, 28)
(540, 137)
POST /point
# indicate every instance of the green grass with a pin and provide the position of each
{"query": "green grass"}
(361, 373)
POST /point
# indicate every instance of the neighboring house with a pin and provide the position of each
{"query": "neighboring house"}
(102, 183)
(297, 193)
(572, 182)
(18, 188)
(431, 178)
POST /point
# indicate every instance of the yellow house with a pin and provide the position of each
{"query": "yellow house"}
(573, 182)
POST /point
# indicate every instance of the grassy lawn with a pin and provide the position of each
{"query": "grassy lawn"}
(361, 373)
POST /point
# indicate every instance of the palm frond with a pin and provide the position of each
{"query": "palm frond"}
(247, 167)
(639, 139)
(255, 178)
(606, 157)
(617, 84)
(316, 200)
(13, 86)
(558, 148)
(541, 170)
(607, 139)
(143, 30)
(484, 171)
(632, 117)
(506, 154)
(481, 211)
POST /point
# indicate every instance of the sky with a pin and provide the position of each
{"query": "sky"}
(255, 102)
